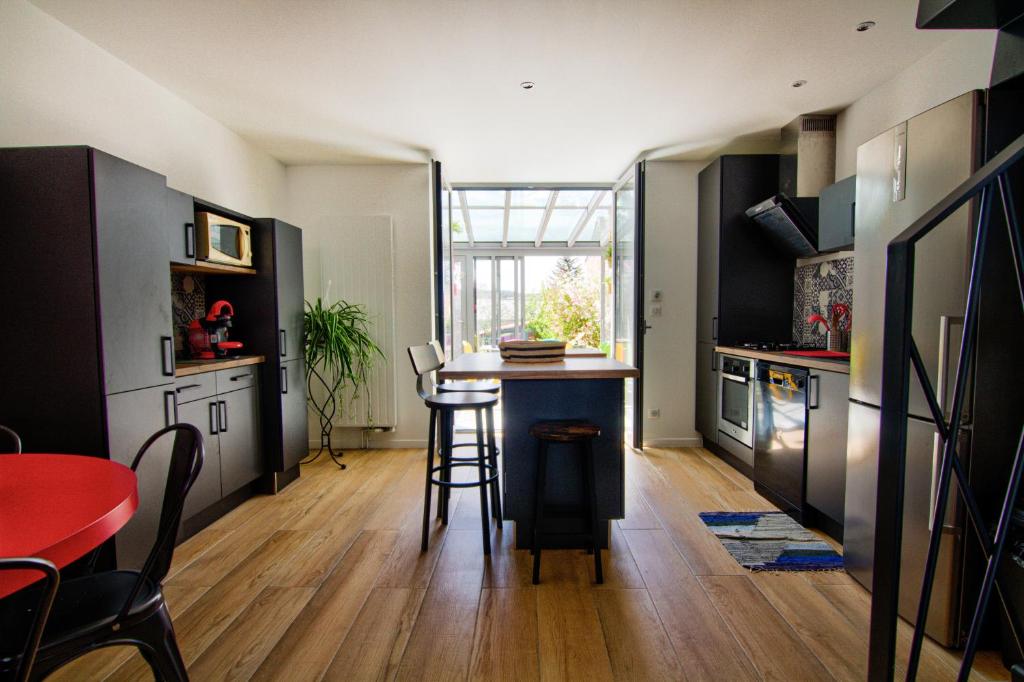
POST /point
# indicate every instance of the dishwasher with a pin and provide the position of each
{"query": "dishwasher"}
(780, 435)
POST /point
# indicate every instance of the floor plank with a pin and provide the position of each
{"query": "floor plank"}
(773, 646)
(505, 642)
(571, 640)
(638, 646)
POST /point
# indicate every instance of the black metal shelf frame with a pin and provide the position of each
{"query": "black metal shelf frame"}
(899, 355)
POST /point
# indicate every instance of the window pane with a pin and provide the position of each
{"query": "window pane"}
(523, 224)
(487, 224)
(561, 224)
(485, 197)
(598, 227)
(574, 197)
(537, 198)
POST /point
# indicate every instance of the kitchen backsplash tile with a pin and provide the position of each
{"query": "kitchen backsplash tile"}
(819, 285)
(188, 301)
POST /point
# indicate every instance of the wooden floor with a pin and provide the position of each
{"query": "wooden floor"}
(327, 581)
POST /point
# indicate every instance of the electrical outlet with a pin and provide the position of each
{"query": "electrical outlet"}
(654, 413)
(656, 310)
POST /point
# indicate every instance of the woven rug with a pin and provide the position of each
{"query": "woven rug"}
(771, 541)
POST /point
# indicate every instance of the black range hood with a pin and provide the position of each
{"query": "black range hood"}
(791, 223)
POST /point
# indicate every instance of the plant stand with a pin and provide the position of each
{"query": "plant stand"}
(325, 412)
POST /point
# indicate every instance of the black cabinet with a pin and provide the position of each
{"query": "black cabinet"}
(241, 459)
(288, 267)
(134, 288)
(295, 426)
(827, 415)
(836, 215)
(180, 227)
(206, 491)
(132, 417)
(706, 406)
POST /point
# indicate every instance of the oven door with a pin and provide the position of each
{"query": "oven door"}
(736, 407)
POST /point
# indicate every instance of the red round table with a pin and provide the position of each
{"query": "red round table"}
(59, 507)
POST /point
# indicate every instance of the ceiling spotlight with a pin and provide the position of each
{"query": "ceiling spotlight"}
(865, 26)
(799, 84)
(526, 85)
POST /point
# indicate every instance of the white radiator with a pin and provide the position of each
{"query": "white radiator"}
(357, 265)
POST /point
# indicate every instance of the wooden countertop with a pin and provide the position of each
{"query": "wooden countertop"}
(824, 364)
(491, 366)
(185, 368)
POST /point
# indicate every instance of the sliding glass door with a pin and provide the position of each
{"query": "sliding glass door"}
(498, 300)
(628, 284)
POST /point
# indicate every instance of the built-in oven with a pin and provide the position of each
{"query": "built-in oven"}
(736, 398)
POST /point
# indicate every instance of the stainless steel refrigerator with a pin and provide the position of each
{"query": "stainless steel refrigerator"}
(901, 174)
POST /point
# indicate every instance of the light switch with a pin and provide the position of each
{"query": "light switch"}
(656, 295)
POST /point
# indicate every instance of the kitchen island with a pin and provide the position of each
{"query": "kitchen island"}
(580, 387)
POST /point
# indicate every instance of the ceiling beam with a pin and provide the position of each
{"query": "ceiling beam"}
(465, 216)
(504, 226)
(591, 208)
(542, 228)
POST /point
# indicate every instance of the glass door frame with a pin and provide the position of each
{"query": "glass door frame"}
(638, 322)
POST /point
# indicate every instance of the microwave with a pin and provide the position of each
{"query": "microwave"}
(222, 240)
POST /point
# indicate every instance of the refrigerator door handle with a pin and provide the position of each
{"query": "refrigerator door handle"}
(945, 322)
(949, 526)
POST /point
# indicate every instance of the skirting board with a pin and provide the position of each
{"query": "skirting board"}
(690, 442)
(379, 444)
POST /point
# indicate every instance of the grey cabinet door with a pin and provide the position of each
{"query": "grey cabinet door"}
(835, 215)
(241, 457)
(826, 442)
(203, 414)
(288, 262)
(132, 417)
(295, 425)
(134, 281)
(709, 192)
(706, 406)
(180, 227)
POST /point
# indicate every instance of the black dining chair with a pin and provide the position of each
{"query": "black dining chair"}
(12, 437)
(22, 620)
(127, 607)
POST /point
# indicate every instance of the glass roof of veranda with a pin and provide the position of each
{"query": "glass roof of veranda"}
(531, 217)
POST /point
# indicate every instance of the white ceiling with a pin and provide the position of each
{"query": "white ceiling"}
(319, 81)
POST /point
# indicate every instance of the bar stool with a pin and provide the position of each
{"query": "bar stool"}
(582, 433)
(443, 406)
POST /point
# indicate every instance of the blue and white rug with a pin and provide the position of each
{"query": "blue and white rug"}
(771, 541)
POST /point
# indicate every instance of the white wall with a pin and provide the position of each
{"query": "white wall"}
(963, 63)
(670, 234)
(319, 194)
(58, 88)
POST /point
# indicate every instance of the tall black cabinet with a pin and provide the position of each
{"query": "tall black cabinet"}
(744, 285)
(87, 361)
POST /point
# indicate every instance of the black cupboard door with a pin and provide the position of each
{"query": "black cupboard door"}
(288, 265)
(709, 197)
(132, 417)
(294, 422)
(134, 277)
(203, 414)
(180, 227)
(706, 408)
(241, 457)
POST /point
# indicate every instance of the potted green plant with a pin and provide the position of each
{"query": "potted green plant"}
(339, 354)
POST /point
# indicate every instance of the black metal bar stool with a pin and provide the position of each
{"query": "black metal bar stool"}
(443, 406)
(582, 433)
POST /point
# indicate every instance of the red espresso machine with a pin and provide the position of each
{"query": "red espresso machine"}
(208, 336)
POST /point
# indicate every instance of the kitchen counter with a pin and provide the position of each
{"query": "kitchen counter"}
(824, 364)
(184, 368)
(491, 366)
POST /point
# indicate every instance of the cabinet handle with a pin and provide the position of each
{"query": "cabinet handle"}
(284, 343)
(187, 387)
(170, 408)
(241, 376)
(714, 365)
(714, 328)
(214, 419)
(284, 379)
(223, 417)
(814, 389)
(190, 240)
(167, 356)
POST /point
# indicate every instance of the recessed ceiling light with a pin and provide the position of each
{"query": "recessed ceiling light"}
(865, 26)
(799, 84)
(527, 85)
